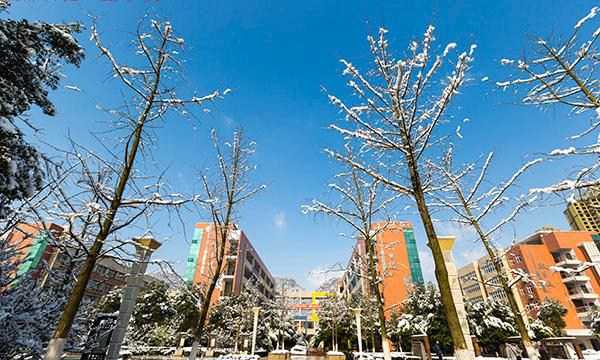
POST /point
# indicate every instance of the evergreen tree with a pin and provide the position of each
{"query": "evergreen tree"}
(30, 58)
(26, 310)
(423, 313)
(550, 319)
(151, 323)
(492, 322)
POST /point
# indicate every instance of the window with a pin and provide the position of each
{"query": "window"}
(516, 259)
(228, 288)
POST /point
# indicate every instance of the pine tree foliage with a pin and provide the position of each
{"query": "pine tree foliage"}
(27, 311)
(153, 317)
(549, 320)
(20, 172)
(159, 315)
(492, 322)
(423, 313)
(31, 54)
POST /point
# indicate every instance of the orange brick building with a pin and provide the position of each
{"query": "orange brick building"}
(545, 252)
(397, 263)
(542, 256)
(38, 253)
(242, 263)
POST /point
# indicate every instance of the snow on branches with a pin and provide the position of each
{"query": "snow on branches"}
(566, 73)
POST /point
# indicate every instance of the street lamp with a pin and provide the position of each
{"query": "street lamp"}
(358, 330)
(256, 310)
(144, 247)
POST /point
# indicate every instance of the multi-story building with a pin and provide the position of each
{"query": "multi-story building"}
(45, 251)
(242, 263)
(303, 307)
(471, 283)
(398, 264)
(584, 213)
(562, 265)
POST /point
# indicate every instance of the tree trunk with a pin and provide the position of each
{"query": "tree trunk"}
(503, 276)
(56, 345)
(461, 349)
(372, 341)
(194, 350)
(376, 289)
(204, 314)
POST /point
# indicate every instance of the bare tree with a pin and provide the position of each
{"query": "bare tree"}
(224, 195)
(109, 194)
(362, 201)
(400, 107)
(565, 74)
(472, 204)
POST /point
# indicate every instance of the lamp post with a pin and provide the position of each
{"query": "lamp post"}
(256, 310)
(144, 247)
(358, 330)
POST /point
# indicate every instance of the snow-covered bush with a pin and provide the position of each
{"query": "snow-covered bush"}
(549, 320)
(492, 322)
(423, 313)
(27, 311)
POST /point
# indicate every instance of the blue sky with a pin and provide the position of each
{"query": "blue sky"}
(276, 57)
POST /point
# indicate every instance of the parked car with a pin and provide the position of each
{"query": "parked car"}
(299, 350)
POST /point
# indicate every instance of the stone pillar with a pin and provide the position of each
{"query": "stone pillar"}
(447, 244)
(144, 248)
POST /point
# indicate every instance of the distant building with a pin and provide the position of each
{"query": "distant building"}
(541, 255)
(303, 306)
(242, 264)
(471, 283)
(584, 213)
(397, 263)
(39, 253)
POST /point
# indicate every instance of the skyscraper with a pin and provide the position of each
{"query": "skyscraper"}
(584, 213)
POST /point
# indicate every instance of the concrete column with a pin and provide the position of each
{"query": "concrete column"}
(255, 309)
(144, 248)
(447, 244)
(358, 330)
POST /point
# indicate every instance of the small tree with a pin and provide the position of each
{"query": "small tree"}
(551, 313)
(396, 116)
(224, 195)
(336, 322)
(152, 319)
(370, 319)
(362, 200)
(423, 313)
(108, 194)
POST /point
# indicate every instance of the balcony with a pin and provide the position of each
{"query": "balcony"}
(568, 263)
(583, 296)
(575, 278)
